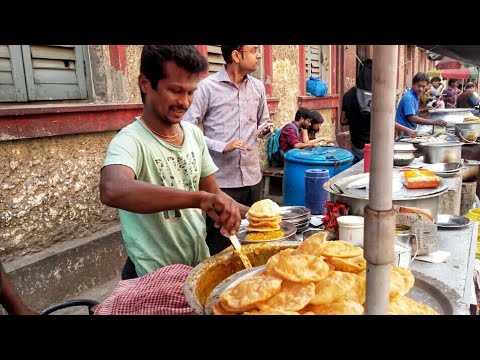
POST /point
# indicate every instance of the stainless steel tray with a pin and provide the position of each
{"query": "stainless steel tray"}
(403, 194)
(426, 290)
(452, 221)
(288, 228)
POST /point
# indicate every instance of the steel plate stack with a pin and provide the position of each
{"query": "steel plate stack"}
(297, 215)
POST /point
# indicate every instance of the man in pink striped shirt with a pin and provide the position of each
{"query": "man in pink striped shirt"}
(231, 105)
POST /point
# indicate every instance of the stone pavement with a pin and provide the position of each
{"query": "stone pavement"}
(98, 293)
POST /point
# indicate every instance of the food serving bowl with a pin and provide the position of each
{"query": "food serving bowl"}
(403, 154)
(209, 273)
(445, 170)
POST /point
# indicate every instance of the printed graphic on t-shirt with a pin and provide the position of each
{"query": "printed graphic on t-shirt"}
(180, 172)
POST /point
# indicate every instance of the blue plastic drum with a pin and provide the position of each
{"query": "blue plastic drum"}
(298, 161)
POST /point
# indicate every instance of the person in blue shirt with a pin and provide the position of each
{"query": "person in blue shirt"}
(408, 108)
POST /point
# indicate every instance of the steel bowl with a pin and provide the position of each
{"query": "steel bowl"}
(470, 170)
(443, 152)
(209, 273)
(403, 159)
(403, 153)
(452, 221)
(445, 170)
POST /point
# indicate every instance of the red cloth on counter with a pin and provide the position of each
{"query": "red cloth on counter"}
(157, 293)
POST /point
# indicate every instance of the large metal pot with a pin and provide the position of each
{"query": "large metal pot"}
(358, 198)
(451, 116)
(209, 273)
(357, 205)
(470, 170)
(443, 152)
(468, 131)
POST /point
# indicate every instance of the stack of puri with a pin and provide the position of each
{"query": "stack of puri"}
(264, 216)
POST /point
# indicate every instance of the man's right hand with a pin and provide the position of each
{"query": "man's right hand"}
(439, 122)
(223, 210)
(412, 133)
(235, 145)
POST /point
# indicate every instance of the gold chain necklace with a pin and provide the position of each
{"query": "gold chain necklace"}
(169, 138)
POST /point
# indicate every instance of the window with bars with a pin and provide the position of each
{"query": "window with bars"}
(317, 62)
(42, 72)
(215, 58)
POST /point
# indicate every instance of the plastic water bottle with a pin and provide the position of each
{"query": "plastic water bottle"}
(315, 194)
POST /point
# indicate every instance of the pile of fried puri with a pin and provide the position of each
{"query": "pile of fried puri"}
(318, 278)
(264, 221)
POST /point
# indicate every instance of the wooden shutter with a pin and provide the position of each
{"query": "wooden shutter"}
(215, 58)
(54, 72)
(12, 77)
(312, 60)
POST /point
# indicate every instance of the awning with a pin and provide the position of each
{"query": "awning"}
(448, 63)
(466, 53)
(461, 73)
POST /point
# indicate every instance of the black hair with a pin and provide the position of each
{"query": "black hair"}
(435, 78)
(302, 113)
(316, 117)
(451, 81)
(154, 57)
(227, 52)
(421, 76)
(469, 85)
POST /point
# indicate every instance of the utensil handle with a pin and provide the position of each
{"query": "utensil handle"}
(236, 244)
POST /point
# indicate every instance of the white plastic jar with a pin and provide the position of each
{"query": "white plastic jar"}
(350, 228)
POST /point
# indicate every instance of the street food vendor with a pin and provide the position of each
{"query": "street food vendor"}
(408, 108)
(158, 171)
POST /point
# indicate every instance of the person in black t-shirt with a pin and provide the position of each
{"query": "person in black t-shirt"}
(351, 115)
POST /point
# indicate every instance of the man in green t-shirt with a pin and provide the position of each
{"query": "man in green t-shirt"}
(158, 171)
